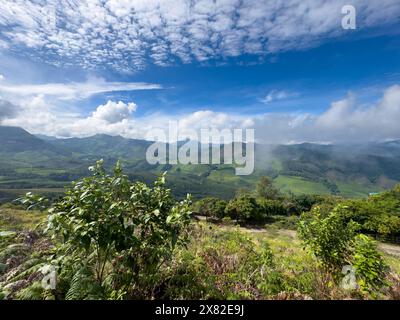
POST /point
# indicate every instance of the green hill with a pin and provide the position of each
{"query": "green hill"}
(29, 161)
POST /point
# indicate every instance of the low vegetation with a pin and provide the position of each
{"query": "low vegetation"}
(110, 238)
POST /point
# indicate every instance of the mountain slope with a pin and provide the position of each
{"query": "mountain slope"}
(28, 161)
(105, 146)
(14, 140)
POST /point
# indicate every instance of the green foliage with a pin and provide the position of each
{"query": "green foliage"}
(33, 292)
(244, 209)
(328, 236)
(333, 239)
(211, 207)
(83, 287)
(114, 239)
(370, 267)
(34, 202)
(379, 214)
(104, 219)
(384, 224)
(221, 264)
(302, 203)
(272, 207)
(265, 189)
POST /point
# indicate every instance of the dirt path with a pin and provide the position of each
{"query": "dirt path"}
(284, 232)
(391, 249)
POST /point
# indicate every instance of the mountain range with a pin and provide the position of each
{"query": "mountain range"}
(36, 161)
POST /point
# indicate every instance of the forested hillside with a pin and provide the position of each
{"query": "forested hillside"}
(38, 162)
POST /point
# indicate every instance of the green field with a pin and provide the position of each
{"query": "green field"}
(298, 185)
(356, 190)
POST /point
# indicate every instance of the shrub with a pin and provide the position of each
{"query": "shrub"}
(271, 207)
(333, 239)
(244, 209)
(368, 263)
(383, 224)
(32, 201)
(297, 204)
(115, 232)
(211, 207)
(328, 236)
(379, 214)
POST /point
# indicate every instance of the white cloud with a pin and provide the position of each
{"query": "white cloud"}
(1, 77)
(344, 121)
(351, 122)
(3, 45)
(275, 95)
(73, 90)
(124, 34)
(113, 112)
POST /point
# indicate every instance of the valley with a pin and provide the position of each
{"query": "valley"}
(30, 162)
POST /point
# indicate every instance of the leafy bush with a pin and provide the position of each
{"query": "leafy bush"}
(113, 239)
(244, 209)
(271, 207)
(33, 202)
(211, 207)
(333, 239)
(328, 236)
(379, 214)
(297, 204)
(369, 265)
(122, 231)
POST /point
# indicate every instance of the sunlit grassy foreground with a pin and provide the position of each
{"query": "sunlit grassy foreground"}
(221, 261)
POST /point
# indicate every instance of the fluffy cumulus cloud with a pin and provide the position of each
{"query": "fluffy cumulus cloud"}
(113, 112)
(344, 121)
(349, 121)
(126, 35)
(55, 108)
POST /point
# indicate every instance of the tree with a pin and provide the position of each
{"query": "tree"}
(272, 207)
(211, 207)
(266, 190)
(242, 192)
(244, 208)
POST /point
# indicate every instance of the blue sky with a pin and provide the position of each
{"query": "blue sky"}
(125, 67)
(312, 79)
